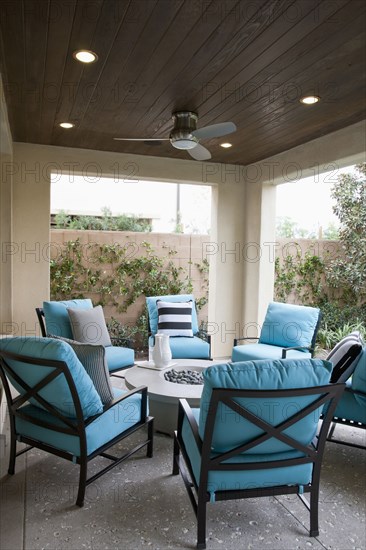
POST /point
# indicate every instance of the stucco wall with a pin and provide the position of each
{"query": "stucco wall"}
(6, 237)
(188, 252)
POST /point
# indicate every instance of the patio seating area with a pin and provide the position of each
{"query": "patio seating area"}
(141, 505)
(97, 452)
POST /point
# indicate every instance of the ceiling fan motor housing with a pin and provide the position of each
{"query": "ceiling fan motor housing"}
(185, 123)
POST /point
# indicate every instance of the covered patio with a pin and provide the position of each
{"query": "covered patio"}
(226, 50)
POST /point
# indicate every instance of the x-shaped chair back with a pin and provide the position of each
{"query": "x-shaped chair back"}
(28, 393)
(318, 397)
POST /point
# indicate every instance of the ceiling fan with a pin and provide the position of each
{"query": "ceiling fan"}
(186, 136)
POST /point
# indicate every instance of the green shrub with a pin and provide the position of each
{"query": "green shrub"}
(106, 222)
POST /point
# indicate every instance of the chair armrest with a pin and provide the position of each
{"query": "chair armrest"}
(285, 350)
(236, 340)
(186, 411)
(117, 400)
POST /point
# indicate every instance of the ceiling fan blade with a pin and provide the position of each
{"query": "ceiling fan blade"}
(199, 152)
(215, 130)
(141, 139)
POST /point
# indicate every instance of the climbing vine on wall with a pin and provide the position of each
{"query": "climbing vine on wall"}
(301, 277)
(114, 275)
(304, 280)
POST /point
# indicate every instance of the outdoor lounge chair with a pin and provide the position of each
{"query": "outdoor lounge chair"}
(288, 331)
(350, 367)
(54, 321)
(60, 411)
(255, 434)
(179, 320)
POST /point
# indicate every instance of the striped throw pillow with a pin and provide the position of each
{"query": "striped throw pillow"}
(92, 357)
(175, 318)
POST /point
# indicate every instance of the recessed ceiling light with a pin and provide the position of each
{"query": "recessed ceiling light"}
(66, 125)
(310, 99)
(85, 56)
(226, 145)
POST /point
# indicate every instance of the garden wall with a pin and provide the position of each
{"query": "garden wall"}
(310, 276)
(188, 253)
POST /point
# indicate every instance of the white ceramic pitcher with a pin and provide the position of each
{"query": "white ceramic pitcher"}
(162, 354)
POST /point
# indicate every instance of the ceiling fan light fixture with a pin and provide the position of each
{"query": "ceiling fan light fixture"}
(184, 144)
(66, 125)
(226, 145)
(309, 99)
(85, 56)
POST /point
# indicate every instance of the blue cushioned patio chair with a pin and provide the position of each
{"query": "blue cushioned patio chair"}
(59, 410)
(196, 347)
(351, 409)
(53, 319)
(255, 434)
(288, 331)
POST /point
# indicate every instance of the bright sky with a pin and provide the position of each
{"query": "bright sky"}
(308, 201)
(142, 198)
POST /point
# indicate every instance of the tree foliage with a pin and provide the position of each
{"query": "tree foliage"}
(349, 272)
(105, 222)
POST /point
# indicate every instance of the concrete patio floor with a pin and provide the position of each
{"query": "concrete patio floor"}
(139, 504)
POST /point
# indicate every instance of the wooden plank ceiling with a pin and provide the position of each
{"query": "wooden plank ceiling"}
(243, 61)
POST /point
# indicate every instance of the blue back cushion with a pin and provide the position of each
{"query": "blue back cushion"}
(57, 318)
(359, 379)
(231, 429)
(153, 310)
(288, 325)
(57, 392)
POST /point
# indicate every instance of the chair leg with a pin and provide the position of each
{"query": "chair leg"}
(82, 482)
(175, 457)
(331, 431)
(13, 454)
(314, 512)
(150, 436)
(201, 522)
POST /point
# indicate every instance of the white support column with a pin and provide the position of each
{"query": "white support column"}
(225, 253)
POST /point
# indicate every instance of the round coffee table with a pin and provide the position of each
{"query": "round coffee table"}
(164, 395)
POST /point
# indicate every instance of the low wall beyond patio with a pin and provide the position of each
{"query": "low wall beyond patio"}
(189, 251)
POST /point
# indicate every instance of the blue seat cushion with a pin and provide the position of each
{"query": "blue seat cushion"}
(153, 310)
(57, 392)
(119, 358)
(289, 325)
(57, 317)
(232, 430)
(252, 352)
(350, 408)
(187, 348)
(245, 479)
(106, 427)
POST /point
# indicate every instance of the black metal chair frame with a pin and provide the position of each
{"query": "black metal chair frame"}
(347, 422)
(313, 453)
(42, 324)
(71, 426)
(310, 348)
